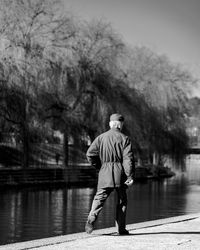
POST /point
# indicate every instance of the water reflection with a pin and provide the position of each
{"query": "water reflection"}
(32, 214)
(156, 199)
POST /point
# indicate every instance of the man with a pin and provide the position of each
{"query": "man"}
(111, 152)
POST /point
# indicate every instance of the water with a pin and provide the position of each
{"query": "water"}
(32, 214)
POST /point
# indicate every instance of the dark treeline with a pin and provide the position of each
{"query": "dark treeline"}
(61, 73)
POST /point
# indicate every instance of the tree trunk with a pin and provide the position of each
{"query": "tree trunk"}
(155, 158)
(66, 149)
(25, 136)
(25, 160)
(66, 156)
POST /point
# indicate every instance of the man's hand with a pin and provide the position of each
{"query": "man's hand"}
(129, 182)
(94, 161)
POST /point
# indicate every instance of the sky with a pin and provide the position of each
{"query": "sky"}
(170, 27)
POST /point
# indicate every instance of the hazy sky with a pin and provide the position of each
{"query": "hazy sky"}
(170, 27)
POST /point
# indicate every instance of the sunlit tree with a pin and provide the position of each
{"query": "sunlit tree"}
(165, 87)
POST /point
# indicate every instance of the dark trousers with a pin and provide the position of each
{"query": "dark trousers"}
(98, 202)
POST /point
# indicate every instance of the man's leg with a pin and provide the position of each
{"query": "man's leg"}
(97, 205)
(121, 210)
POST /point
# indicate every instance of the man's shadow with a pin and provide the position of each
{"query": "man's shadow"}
(138, 234)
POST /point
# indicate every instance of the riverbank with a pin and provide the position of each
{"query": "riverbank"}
(77, 175)
(181, 232)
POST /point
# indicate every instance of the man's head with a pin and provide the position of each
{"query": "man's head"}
(116, 121)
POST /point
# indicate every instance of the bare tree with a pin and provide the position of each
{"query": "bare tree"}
(30, 30)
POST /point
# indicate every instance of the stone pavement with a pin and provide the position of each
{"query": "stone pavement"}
(182, 232)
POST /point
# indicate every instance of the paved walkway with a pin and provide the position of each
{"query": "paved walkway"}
(182, 232)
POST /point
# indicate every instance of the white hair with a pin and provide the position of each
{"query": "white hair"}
(116, 124)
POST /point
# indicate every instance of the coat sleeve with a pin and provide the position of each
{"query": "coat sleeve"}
(128, 159)
(93, 154)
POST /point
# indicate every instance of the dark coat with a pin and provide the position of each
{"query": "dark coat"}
(111, 152)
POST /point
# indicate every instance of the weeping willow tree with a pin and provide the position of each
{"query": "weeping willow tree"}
(70, 89)
(165, 87)
(29, 31)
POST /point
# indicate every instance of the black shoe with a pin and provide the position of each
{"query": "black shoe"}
(89, 227)
(124, 232)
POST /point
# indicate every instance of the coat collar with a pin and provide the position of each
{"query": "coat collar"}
(115, 129)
